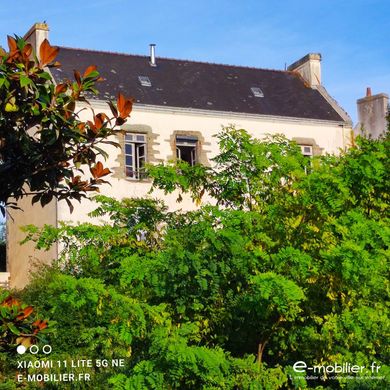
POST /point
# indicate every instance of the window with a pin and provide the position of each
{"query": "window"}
(186, 149)
(145, 81)
(257, 92)
(135, 155)
(307, 150)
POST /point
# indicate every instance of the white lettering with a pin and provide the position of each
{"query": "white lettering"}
(299, 366)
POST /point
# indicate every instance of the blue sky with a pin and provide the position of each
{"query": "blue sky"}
(351, 35)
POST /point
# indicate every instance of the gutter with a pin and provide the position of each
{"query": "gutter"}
(213, 113)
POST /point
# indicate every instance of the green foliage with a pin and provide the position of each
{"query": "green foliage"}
(43, 142)
(293, 267)
(247, 171)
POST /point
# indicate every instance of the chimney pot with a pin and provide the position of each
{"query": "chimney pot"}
(368, 92)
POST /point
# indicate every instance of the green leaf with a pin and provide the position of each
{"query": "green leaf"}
(13, 328)
(24, 81)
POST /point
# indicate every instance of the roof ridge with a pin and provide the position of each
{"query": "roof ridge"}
(176, 59)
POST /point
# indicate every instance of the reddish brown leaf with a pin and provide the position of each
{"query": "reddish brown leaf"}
(99, 120)
(10, 301)
(39, 325)
(89, 70)
(92, 127)
(113, 109)
(25, 313)
(99, 171)
(42, 325)
(77, 76)
(14, 52)
(47, 53)
(124, 106)
(81, 126)
(77, 183)
(120, 102)
(61, 88)
(27, 50)
(12, 44)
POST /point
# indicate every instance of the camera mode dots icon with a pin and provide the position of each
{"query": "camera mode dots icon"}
(21, 349)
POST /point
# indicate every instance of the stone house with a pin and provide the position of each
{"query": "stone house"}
(179, 106)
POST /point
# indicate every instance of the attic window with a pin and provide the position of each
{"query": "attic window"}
(257, 92)
(145, 81)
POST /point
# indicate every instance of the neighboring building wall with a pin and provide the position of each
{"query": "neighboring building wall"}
(372, 111)
(22, 258)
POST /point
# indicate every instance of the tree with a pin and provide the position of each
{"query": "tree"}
(43, 142)
(292, 267)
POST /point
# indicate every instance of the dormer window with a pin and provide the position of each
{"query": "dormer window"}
(257, 92)
(145, 81)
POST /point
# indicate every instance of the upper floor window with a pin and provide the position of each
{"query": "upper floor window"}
(307, 150)
(135, 155)
(187, 149)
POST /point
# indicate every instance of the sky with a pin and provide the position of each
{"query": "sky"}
(351, 35)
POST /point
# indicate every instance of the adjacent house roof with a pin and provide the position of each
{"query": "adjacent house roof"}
(199, 85)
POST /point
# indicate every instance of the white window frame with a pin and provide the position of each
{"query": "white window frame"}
(257, 92)
(145, 81)
(135, 155)
(187, 141)
(307, 150)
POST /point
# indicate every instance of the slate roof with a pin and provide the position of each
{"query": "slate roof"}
(199, 85)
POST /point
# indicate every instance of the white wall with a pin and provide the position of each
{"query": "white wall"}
(330, 136)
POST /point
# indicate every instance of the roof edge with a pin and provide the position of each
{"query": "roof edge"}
(334, 104)
(173, 59)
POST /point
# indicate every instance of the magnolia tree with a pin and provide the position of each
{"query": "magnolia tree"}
(44, 145)
(46, 151)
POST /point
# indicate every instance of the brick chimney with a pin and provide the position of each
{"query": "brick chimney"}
(372, 110)
(309, 67)
(36, 35)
